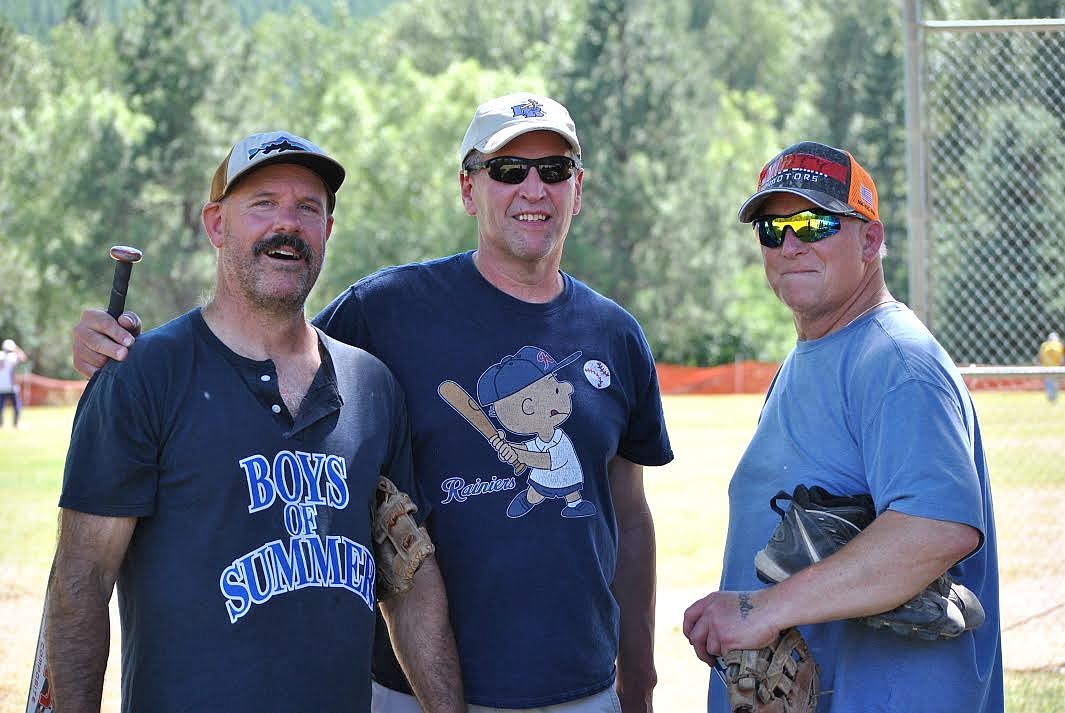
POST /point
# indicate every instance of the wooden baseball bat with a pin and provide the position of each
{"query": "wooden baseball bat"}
(39, 699)
(124, 257)
(457, 398)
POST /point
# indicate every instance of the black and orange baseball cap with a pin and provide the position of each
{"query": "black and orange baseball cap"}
(827, 177)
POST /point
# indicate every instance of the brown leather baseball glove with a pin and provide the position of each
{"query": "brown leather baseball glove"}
(399, 544)
(782, 678)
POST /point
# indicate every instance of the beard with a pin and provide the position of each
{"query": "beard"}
(262, 280)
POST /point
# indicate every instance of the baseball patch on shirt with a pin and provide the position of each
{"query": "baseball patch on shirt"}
(597, 373)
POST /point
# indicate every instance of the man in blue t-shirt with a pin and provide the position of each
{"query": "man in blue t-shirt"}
(542, 529)
(867, 405)
(225, 475)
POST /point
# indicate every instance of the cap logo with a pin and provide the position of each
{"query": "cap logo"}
(803, 166)
(528, 109)
(546, 360)
(279, 145)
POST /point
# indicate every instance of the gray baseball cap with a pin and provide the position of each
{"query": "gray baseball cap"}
(259, 150)
(501, 120)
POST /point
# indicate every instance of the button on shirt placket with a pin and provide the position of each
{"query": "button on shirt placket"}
(269, 394)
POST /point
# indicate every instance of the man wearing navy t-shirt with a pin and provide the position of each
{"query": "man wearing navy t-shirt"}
(549, 612)
(225, 473)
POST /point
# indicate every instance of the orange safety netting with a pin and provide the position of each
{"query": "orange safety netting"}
(742, 377)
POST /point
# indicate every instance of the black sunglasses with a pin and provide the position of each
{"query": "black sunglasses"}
(513, 169)
(809, 227)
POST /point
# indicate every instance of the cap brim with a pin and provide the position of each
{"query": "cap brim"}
(331, 172)
(508, 133)
(750, 209)
(567, 361)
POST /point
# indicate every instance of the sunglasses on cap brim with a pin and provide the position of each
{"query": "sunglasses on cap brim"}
(809, 226)
(513, 169)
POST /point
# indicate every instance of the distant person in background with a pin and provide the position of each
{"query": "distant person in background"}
(867, 404)
(10, 358)
(1051, 353)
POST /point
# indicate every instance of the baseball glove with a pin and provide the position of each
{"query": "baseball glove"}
(399, 544)
(782, 678)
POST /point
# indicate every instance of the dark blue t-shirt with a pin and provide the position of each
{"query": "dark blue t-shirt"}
(571, 380)
(249, 580)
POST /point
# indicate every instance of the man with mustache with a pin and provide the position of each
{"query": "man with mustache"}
(224, 475)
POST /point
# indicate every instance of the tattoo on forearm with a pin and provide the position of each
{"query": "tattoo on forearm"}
(746, 606)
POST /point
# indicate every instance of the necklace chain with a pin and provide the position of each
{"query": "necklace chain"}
(867, 311)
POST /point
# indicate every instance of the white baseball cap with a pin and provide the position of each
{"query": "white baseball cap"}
(259, 150)
(9, 345)
(501, 120)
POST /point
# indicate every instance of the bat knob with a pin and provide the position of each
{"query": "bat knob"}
(124, 253)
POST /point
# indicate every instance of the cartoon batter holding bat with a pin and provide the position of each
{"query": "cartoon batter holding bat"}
(523, 393)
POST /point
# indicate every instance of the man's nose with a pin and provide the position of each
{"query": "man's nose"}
(287, 219)
(533, 186)
(792, 245)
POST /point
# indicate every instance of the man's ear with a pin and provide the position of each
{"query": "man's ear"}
(872, 240)
(211, 215)
(466, 189)
(577, 194)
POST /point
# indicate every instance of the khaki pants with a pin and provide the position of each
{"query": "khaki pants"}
(385, 700)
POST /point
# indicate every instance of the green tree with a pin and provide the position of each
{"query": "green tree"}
(65, 108)
(497, 34)
(629, 94)
(181, 87)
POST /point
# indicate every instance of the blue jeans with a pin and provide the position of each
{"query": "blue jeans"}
(16, 404)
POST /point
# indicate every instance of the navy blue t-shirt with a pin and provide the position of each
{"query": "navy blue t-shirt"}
(249, 580)
(528, 558)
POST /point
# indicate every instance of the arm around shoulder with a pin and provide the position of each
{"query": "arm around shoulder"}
(98, 337)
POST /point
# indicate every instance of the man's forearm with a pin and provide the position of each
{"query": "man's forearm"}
(634, 589)
(884, 566)
(89, 553)
(77, 641)
(421, 634)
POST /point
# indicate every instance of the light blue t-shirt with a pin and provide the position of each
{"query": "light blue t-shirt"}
(877, 407)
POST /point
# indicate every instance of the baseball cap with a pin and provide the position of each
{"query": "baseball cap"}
(9, 345)
(259, 150)
(501, 120)
(827, 177)
(516, 371)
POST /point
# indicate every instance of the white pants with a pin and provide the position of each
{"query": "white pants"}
(385, 700)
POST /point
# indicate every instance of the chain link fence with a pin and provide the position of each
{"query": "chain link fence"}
(987, 212)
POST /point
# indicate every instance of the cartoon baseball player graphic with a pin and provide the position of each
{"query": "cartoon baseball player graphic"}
(523, 392)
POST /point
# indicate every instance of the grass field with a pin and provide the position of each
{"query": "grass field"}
(1025, 440)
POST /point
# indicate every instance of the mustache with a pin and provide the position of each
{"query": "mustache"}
(279, 240)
